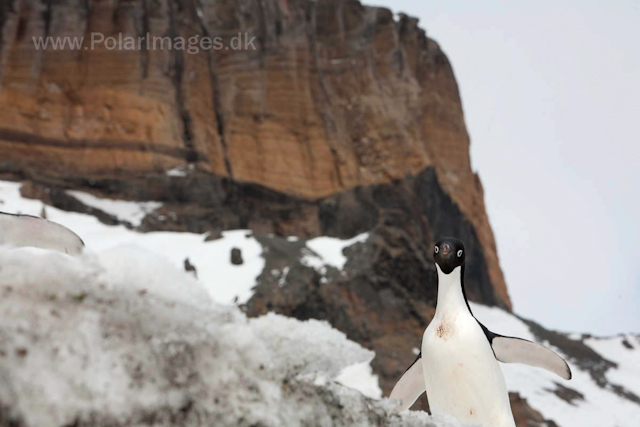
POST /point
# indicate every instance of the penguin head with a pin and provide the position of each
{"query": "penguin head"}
(449, 253)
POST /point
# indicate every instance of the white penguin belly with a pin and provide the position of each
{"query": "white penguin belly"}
(462, 377)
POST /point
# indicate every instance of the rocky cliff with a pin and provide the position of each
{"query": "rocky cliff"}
(331, 118)
(330, 96)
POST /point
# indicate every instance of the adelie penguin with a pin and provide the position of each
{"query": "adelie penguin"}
(458, 365)
(31, 231)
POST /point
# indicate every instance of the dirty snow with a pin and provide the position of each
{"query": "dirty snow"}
(223, 282)
(120, 337)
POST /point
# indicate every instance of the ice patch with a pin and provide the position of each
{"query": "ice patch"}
(178, 171)
(328, 251)
(360, 377)
(132, 212)
(283, 276)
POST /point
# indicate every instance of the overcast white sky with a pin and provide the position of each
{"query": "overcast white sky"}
(551, 94)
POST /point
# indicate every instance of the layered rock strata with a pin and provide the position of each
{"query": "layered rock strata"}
(321, 97)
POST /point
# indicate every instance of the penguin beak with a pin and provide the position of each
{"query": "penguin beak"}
(446, 249)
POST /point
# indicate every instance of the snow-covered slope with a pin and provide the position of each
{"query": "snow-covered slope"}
(224, 281)
(582, 401)
(143, 276)
(122, 335)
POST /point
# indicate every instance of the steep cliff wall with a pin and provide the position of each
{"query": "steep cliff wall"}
(335, 95)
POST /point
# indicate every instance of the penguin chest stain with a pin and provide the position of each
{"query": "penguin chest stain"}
(446, 327)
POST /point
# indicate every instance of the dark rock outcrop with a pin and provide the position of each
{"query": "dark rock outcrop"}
(236, 256)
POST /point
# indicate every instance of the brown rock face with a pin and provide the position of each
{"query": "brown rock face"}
(525, 415)
(329, 96)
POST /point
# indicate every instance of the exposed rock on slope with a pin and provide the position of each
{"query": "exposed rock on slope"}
(335, 95)
(524, 415)
(375, 295)
(385, 295)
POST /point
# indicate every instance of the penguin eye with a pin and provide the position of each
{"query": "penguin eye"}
(437, 249)
(459, 253)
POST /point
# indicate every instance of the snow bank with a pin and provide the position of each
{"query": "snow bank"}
(121, 337)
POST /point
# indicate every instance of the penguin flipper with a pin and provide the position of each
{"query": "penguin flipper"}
(31, 231)
(518, 350)
(410, 386)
